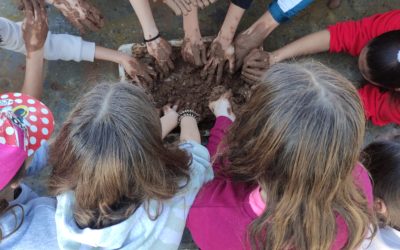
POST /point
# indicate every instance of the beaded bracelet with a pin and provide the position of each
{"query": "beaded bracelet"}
(188, 112)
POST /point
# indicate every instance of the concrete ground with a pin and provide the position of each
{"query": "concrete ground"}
(65, 81)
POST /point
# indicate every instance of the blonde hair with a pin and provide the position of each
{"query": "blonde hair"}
(300, 137)
(110, 153)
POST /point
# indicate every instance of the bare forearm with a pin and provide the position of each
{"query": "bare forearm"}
(191, 22)
(313, 43)
(143, 11)
(33, 83)
(168, 123)
(189, 130)
(230, 24)
(106, 54)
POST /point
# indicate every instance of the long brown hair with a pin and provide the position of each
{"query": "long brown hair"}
(299, 137)
(110, 153)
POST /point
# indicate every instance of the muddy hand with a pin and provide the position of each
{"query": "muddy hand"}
(255, 65)
(194, 52)
(217, 59)
(161, 50)
(35, 25)
(180, 7)
(245, 42)
(80, 13)
(222, 106)
(171, 108)
(138, 71)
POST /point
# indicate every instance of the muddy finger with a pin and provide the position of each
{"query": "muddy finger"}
(196, 56)
(36, 9)
(97, 20)
(203, 53)
(250, 77)
(90, 25)
(257, 65)
(28, 8)
(255, 72)
(220, 71)
(211, 72)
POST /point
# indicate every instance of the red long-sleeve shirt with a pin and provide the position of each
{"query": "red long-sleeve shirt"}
(220, 216)
(351, 37)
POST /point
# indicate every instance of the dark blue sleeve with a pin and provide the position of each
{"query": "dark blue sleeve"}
(244, 4)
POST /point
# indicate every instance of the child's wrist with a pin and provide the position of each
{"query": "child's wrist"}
(35, 55)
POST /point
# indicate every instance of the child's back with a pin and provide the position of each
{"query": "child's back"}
(117, 186)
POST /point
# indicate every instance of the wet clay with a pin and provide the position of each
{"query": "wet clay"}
(186, 84)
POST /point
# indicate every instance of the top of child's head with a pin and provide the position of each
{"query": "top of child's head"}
(25, 123)
(110, 153)
(379, 61)
(382, 158)
(299, 138)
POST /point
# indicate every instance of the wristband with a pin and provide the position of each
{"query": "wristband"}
(151, 39)
(188, 112)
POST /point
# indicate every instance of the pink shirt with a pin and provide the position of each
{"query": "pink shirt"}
(222, 212)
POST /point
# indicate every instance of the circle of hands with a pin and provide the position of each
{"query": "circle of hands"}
(218, 59)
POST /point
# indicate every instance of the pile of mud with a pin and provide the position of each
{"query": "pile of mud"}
(186, 85)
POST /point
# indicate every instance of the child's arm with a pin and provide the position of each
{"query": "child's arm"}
(135, 69)
(170, 119)
(57, 46)
(34, 31)
(158, 48)
(80, 13)
(313, 43)
(277, 13)
(221, 48)
(193, 48)
(189, 130)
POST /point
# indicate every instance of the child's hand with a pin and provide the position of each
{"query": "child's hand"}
(255, 65)
(161, 50)
(203, 3)
(80, 13)
(222, 106)
(35, 26)
(194, 50)
(179, 6)
(218, 56)
(169, 121)
(138, 71)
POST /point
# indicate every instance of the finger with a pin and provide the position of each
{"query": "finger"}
(255, 72)
(36, 9)
(257, 65)
(172, 5)
(170, 64)
(96, 20)
(151, 71)
(194, 3)
(164, 67)
(231, 61)
(200, 4)
(90, 25)
(212, 1)
(206, 3)
(203, 54)
(211, 72)
(146, 76)
(182, 7)
(196, 55)
(220, 71)
(28, 8)
(250, 77)
(208, 64)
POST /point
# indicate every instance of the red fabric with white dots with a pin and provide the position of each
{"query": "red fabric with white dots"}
(25, 123)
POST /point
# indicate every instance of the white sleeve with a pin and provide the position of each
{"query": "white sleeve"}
(11, 36)
(57, 46)
(68, 47)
